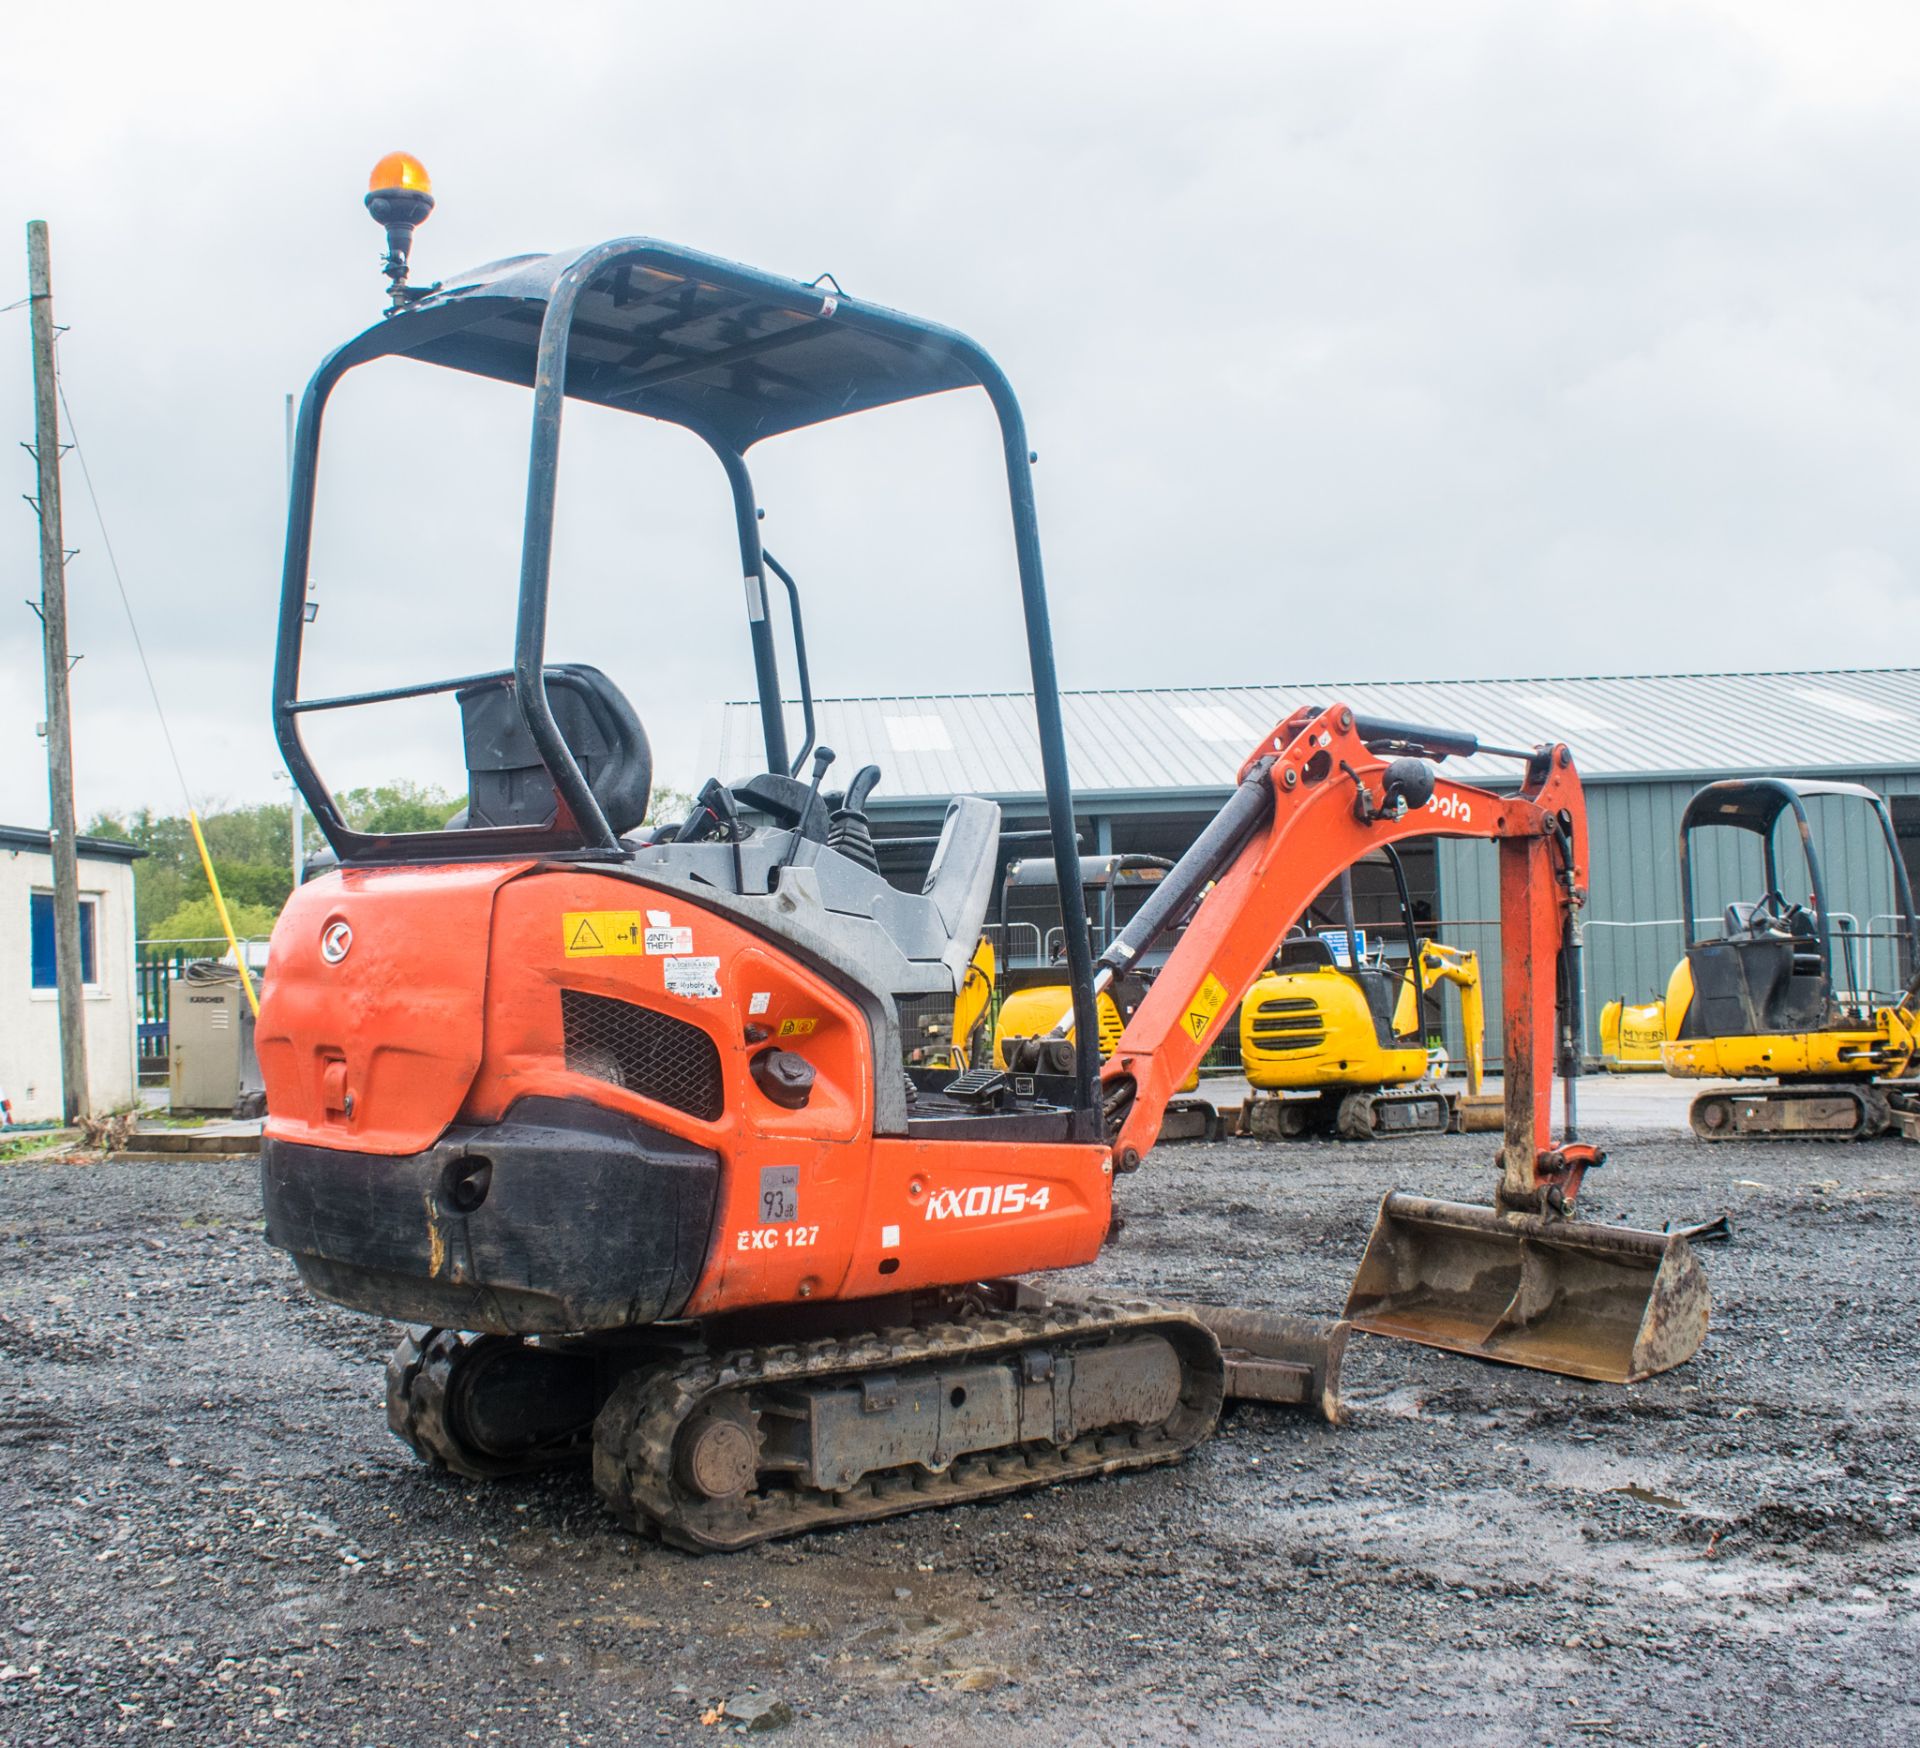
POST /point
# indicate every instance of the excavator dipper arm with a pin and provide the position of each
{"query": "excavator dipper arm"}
(1443, 964)
(1319, 798)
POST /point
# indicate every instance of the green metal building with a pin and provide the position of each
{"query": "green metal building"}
(1150, 767)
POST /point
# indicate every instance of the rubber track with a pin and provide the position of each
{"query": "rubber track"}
(1857, 1091)
(1357, 1119)
(634, 1436)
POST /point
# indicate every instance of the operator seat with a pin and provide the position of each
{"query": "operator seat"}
(960, 880)
(507, 785)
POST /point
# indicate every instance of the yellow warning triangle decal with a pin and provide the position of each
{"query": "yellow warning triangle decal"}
(584, 938)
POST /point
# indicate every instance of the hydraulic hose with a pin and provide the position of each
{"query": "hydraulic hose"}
(1248, 810)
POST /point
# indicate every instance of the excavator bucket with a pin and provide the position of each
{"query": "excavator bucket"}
(1611, 1303)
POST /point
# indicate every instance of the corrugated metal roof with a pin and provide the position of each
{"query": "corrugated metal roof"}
(1128, 743)
(26, 837)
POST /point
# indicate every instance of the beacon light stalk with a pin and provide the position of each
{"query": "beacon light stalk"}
(400, 196)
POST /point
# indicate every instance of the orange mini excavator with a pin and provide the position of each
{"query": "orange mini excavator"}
(621, 1114)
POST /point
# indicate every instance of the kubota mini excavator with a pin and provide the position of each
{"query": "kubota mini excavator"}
(621, 1116)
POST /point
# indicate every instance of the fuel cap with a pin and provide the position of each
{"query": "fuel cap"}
(785, 1078)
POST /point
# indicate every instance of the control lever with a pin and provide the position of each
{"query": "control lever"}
(822, 758)
(848, 831)
(714, 812)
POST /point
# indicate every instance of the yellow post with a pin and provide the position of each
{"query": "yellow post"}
(220, 905)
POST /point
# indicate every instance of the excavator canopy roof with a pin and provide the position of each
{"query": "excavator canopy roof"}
(1753, 803)
(727, 351)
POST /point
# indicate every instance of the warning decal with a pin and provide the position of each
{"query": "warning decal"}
(1207, 1002)
(797, 1028)
(600, 934)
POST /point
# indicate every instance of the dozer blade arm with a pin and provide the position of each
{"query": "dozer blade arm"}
(1314, 799)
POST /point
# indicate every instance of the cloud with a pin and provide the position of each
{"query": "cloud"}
(1466, 338)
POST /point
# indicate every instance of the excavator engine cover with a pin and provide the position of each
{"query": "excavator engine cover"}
(1610, 1303)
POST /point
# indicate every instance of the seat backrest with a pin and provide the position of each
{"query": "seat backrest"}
(508, 785)
(961, 878)
(1304, 953)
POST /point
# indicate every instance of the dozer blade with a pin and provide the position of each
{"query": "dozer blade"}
(1479, 1113)
(1610, 1303)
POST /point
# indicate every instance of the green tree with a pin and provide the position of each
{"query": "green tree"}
(399, 807)
(251, 849)
(668, 805)
(252, 852)
(197, 920)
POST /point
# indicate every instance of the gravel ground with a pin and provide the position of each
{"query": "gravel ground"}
(206, 1534)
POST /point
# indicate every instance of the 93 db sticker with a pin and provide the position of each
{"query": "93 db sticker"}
(779, 1194)
(984, 1200)
(779, 1214)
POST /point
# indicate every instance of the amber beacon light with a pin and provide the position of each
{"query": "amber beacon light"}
(400, 196)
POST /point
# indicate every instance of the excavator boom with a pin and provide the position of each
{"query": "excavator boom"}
(1520, 1281)
(1312, 801)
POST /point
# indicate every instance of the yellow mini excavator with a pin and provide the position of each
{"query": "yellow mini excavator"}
(1335, 1020)
(1785, 993)
(943, 1036)
(1033, 996)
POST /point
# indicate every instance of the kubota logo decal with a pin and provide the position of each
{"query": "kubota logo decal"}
(985, 1200)
(1451, 807)
(335, 939)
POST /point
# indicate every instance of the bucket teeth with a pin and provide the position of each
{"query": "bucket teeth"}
(1610, 1303)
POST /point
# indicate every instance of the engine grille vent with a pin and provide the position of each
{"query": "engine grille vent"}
(1289, 1022)
(652, 1054)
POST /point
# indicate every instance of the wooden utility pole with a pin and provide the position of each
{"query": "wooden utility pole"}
(295, 800)
(53, 619)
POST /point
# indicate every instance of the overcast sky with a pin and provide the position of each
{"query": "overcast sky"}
(1446, 338)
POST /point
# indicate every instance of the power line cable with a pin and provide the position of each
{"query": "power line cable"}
(113, 564)
(159, 710)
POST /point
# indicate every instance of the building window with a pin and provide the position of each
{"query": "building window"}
(44, 974)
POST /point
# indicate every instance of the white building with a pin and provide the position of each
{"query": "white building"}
(29, 1000)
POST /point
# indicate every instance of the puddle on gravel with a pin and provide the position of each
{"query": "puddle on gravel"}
(1647, 1496)
(1411, 1402)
